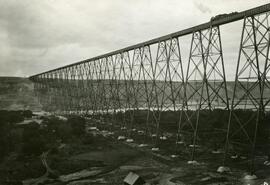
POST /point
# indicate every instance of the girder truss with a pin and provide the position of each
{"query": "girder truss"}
(151, 78)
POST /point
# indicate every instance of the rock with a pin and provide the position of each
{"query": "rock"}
(195, 146)
(223, 169)
(180, 142)
(110, 133)
(193, 162)
(155, 149)
(131, 167)
(129, 140)
(133, 179)
(79, 175)
(92, 128)
(143, 145)
(250, 177)
(205, 179)
(243, 157)
(63, 118)
(163, 138)
(121, 138)
(234, 156)
(123, 128)
(168, 135)
(266, 163)
(154, 135)
(216, 152)
(177, 169)
(174, 156)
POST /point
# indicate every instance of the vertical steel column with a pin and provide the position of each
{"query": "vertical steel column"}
(168, 74)
(250, 79)
(118, 89)
(142, 75)
(126, 75)
(205, 85)
(147, 68)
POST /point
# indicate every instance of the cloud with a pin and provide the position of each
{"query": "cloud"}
(36, 36)
(202, 7)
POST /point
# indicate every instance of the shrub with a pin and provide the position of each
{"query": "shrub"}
(77, 124)
(33, 142)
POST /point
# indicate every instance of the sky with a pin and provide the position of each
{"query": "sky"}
(38, 35)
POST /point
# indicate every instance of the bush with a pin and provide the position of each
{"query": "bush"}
(87, 139)
(27, 114)
(4, 139)
(77, 124)
(11, 116)
(33, 142)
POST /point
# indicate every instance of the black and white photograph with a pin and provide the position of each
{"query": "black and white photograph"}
(134, 92)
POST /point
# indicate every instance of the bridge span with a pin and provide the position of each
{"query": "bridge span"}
(145, 87)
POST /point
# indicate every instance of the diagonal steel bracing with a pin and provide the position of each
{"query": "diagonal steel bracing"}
(251, 79)
(205, 83)
(148, 79)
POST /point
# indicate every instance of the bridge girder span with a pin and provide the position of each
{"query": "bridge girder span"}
(151, 78)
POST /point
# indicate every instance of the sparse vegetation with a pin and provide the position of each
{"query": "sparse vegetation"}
(70, 146)
(22, 144)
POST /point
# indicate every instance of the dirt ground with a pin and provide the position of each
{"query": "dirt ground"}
(159, 168)
(106, 160)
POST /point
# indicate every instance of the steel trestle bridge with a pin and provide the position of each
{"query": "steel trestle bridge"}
(149, 76)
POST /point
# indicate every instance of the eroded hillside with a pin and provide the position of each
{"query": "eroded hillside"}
(17, 94)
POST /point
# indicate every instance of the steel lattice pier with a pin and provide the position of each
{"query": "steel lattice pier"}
(149, 77)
